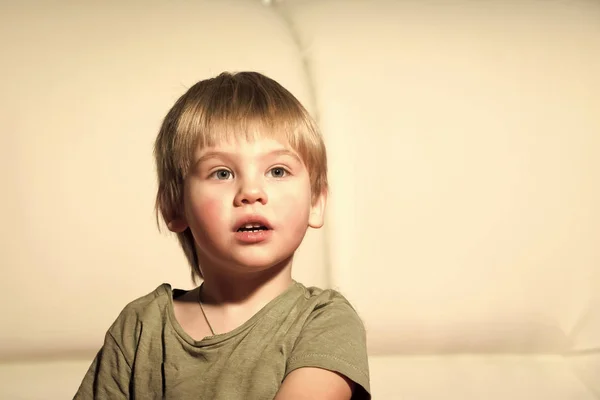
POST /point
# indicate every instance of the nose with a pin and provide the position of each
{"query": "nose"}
(250, 192)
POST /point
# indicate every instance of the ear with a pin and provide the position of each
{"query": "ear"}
(177, 225)
(316, 218)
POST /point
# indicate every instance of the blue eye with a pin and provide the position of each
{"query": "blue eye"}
(221, 174)
(278, 172)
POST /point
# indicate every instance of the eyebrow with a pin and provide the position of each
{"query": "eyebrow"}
(223, 154)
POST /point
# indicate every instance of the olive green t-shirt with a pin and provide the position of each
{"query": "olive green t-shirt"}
(147, 355)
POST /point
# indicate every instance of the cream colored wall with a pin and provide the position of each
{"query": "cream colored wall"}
(85, 87)
(466, 179)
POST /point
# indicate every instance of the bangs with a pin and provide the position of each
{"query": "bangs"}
(230, 125)
(236, 110)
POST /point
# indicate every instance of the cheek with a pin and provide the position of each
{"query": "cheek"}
(206, 212)
(293, 209)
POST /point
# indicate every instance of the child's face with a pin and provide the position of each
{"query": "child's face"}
(248, 205)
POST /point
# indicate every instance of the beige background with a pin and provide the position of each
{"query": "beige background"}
(463, 221)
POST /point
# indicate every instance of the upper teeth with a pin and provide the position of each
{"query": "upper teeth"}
(248, 226)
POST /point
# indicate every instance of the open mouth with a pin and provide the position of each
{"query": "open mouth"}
(252, 223)
(252, 228)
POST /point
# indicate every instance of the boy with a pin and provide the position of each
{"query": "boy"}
(242, 174)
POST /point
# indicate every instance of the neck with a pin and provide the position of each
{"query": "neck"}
(250, 291)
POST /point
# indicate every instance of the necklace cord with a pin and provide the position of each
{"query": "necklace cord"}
(202, 309)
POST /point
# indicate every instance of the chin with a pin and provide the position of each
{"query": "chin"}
(257, 263)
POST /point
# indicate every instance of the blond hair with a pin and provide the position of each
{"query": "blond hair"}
(244, 105)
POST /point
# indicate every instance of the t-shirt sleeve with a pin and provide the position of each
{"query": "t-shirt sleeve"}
(109, 375)
(334, 338)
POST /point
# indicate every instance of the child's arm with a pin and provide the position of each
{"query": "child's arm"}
(109, 375)
(315, 383)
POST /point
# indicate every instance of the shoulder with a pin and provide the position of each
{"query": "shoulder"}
(150, 303)
(328, 307)
(148, 311)
(330, 303)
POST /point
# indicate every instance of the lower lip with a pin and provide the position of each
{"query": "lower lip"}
(253, 237)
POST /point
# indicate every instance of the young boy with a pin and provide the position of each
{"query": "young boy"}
(242, 174)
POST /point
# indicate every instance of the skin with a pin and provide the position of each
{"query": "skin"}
(227, 182)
